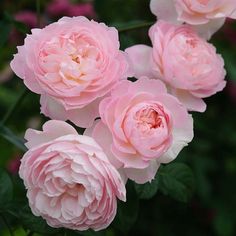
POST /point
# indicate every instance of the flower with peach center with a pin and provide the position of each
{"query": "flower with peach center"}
(72, 64)
(141, 127)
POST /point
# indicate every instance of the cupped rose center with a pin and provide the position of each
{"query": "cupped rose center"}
(74, 189)
(149, 118)
(204, 2)
(193, 53)
(70, 58)
(148, 127)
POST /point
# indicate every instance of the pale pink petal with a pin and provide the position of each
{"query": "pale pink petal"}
(51, 130)
(191, 102)
(18, 65)
(103, 137)
(53, 109)
(129, 160)
(152, 86)
(233, 15)
(180, 140)
(208, 29)
(164, 9)
(142, 176)
(141, 59)
(17, 62)
(84, 117)
(123, 175)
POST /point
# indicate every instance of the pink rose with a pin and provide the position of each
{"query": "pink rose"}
(69, 180)
(29, 18)
(82, 9)
(66, 8)
(14, 164)
(58, 7)
(208, 15)
(187, 63)
(142, 126)
(72, 63)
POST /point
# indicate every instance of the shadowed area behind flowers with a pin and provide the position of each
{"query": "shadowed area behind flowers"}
(211, 155)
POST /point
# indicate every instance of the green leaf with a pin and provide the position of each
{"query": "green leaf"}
(177, 181)
(127, 212)
(148, 190)
(6, 188)
(230, 65)
(34, 223)
(11, 137)
(223, 222)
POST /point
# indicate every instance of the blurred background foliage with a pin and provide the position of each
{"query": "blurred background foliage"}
(195, 198)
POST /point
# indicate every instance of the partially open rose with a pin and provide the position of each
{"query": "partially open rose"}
(208, 15)
(72, 64)
(142, 126)
(188, 64)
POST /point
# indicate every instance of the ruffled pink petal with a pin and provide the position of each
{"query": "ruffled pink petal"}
(84, 117)
(51, 130)
(52, 109)
(18, 65)
(180, 140)
(103, 137)
(152, 86)
(191, 102)
(140, 57)
(164, 9)
(208, 29)
(129, 160)
(142, 176)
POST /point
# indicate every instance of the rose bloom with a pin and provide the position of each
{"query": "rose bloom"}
(208, 15)
(187, 63)
(72, 64)
(142, 126)
(69, 180)
(29, 18)
(66, 8)
(57, 8)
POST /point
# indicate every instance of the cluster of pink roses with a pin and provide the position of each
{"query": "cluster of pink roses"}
(76, 66)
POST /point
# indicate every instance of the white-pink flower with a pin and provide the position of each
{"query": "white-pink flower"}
(72, 64)
(142, 126)
(207, 15)
(187, 63)
(69, 180)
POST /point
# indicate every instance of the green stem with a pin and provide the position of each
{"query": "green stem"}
(7, 134)
(14, 106)
(38, 13)
(7, 225)
(135, 26)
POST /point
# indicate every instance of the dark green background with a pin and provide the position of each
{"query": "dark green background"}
(210, 210)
